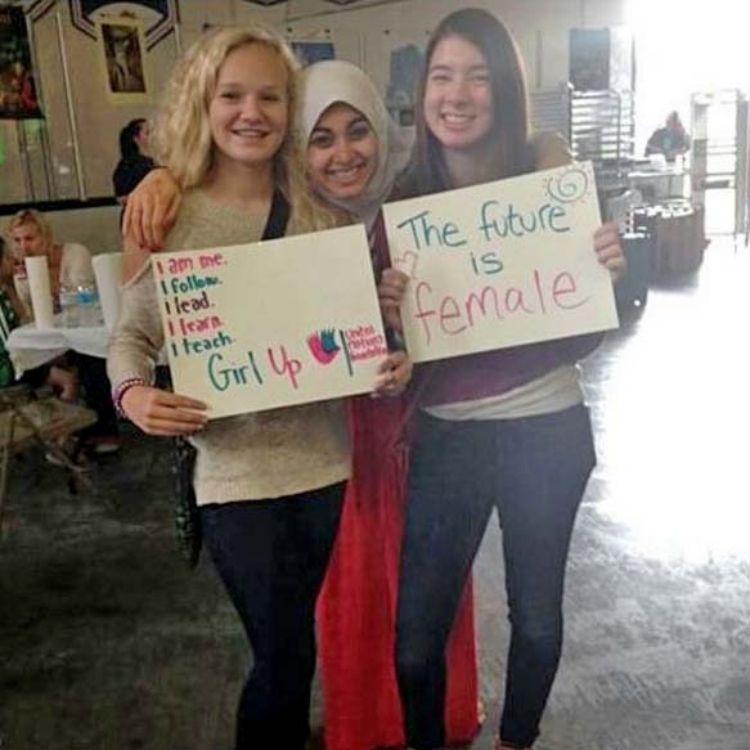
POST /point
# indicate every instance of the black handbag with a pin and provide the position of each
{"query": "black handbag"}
(186, 516)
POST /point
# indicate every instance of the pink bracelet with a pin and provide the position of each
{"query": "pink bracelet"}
(120, 389)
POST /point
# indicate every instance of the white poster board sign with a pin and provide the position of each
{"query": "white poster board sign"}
(501, 264)
(276, 323)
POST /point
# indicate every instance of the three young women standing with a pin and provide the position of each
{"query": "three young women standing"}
(505, 430)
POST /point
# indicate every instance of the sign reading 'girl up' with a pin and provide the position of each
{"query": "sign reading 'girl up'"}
(277, 323)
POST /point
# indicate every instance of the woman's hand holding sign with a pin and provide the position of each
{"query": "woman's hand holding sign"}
(391, 290)
(608, 250)
(395, 371)
(394, 374)
(160, 412)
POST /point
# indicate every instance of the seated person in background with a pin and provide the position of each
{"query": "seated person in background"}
(64, 382)
(670, 140)
(135, 163)
(69, 268)
(69, 263)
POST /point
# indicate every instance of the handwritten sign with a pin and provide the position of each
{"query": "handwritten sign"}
(501, 264)
(282, 322)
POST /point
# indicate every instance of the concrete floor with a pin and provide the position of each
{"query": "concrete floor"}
(108, 642)
(657, 651)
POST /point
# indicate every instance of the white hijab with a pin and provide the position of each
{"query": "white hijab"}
(331, 81)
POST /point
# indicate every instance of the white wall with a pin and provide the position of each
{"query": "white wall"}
(364, 34)
(96, 228)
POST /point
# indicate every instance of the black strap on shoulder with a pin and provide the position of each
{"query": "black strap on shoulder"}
(278, 217)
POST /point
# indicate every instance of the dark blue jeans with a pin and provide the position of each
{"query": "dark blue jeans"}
(272, 557)
(534, 471)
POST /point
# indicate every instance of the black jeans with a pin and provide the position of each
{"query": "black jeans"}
(534, 470)
(272, 557)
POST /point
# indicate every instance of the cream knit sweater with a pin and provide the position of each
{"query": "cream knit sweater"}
(248, 457)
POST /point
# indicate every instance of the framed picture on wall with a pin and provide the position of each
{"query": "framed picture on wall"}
(122, 45)
(309, 52)
(406, 66)
(18, 97)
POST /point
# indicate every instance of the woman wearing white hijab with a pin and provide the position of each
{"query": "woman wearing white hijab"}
(327, 84)
(354, 154)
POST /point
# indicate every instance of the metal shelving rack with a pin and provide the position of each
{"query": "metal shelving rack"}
(549, 110)
(602, 130)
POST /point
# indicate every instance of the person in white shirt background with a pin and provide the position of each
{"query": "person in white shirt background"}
(70, 269)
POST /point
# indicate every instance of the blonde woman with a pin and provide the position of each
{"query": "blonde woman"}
(69, 263)
(270, 485)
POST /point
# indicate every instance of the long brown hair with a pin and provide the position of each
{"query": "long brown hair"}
(508, 152)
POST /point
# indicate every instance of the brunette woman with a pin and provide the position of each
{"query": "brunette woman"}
(505, 430)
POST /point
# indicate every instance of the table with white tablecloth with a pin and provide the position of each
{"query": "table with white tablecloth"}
(31, 347)
(86, 348)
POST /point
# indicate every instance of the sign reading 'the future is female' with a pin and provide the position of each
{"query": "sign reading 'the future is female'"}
(501, 264)
(277, 323)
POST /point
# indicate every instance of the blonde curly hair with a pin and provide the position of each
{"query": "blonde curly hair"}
(182, 134)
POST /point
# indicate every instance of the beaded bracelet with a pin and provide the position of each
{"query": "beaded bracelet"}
(121, 388)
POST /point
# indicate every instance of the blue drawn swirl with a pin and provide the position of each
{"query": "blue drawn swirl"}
(569, 187)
